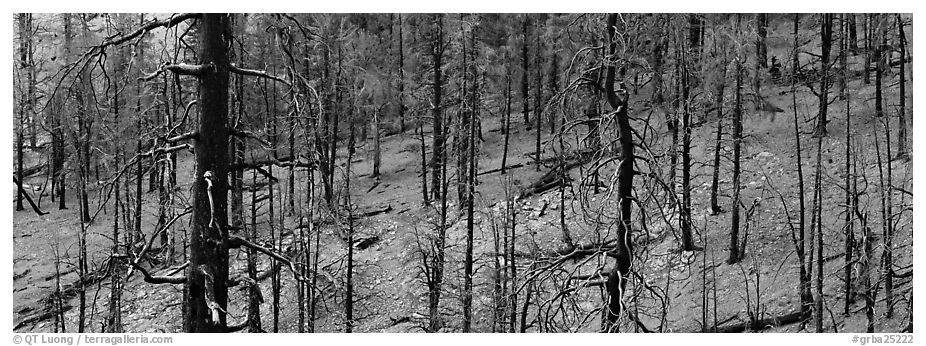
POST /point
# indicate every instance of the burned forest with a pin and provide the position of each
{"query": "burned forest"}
(476, 172)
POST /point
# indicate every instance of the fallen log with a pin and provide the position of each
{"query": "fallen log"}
(35, 208)
(559, 174)
(374, 212)
(519, 165)
(30, 171)
(759, 325)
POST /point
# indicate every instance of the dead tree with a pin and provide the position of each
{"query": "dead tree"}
(826, 39)
(902, 116)
(737, 143)
(437, 149)
(617, 99)
(804, 288)
(525, 75)
(849, 234)
(761, 36)
(506, 127)
(718, 105)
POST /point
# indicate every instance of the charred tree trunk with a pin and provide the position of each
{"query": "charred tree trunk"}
(206, 295)
(879, 67)
(401, 86)
(826, 38)
(853, 34)
(624, 253)
(818, 224)
(437, 149)
(525, 72)
(849, 234)
(804, 288)
(538, 94)
(23, 105)
(867, 65)
(349, 298)
(902, 117)
(685, 217)
(718, 104)
(761, 36)
(737, 143)
(506, 127)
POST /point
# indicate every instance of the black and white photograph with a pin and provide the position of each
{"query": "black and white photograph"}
(476, 172)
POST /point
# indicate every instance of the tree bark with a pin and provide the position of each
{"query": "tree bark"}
(206, 291)
(761, 36)
(826, 38)
(902, 117)
(624, 252)
(437, 149)
(734, 256)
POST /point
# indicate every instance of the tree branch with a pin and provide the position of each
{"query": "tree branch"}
(235, 242)
(157, 279)
(287, 161)
(256, 73)
(183, 137)
(166, 150)
(181, 69)
(248, 134)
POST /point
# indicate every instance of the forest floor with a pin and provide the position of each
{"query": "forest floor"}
(392, 298)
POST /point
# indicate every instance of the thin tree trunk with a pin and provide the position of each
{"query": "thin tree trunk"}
(902, 117)
(826, 37)
(685, 217)
(801, 254)
(401, 86)
(849, 234)
(437, 150)
(737, 143)
(349, 299)
(761, 35)
(818, 211)
(525, 75)
(507, 122)
(538, 95)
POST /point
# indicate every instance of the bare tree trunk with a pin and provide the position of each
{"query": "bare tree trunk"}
(715, 177)
(826, 37)
(206, 290)
(879, 67)
(818, 223)
(114, 319)
(511, 211)
(849, 234)
(853, 34)
(624, 254)
(507, 122)
(424, 162)
(377, 151)
(470, 190)
(867, 65)
(538, 94)
(685, 217)
(718, 104)
(737, 143)
(525, 75)
(401, 86)
(761, 35)
(349, 299)
(801, 254)
(23, 101)
(902, 117)
(437, 150)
